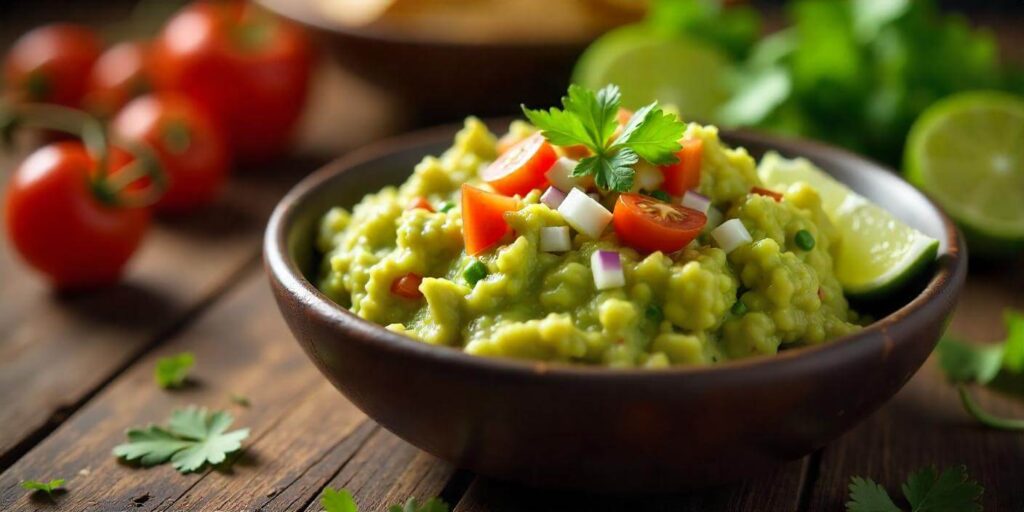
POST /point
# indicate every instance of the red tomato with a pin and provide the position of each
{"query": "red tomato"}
(407, 286)
(521, 169)
(118, 76)
(248, 69)
(421, 203)
(483, 218)
(51, 63)
(191, 150)
(684, 174)
(765, 192)
(59, 225)
(647, 224)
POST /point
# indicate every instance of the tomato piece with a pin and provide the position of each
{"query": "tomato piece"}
(649, 225)
(194, 155)
(248, 69)
(117, 76)
(765, 192)
(421, 203)
(684, 174)
(623, 115)
(521, 169)
(407, 286)
(50, 64)
(483, 218)
(60, 226)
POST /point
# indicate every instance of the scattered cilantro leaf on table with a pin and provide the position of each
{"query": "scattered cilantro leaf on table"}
(337, 501)
(193, 437)
(589, 118)
(40, 486)
(431, 505)
(926, 490)
(240, 400)
(966, 363)
(170, 372)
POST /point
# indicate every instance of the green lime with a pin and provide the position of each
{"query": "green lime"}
(878, 253)
(967, 152)
(648, 65)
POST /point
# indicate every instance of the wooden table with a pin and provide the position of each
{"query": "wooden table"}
(76, 371)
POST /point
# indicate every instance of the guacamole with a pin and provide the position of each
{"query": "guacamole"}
(407, 268)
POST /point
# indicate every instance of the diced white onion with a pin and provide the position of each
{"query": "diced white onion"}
(584, 214)
(696, 201)
(555, 239)
(607, 269)
(731, 234)
(560, 174)
(714, 219)
(647, 177)
(552, 197)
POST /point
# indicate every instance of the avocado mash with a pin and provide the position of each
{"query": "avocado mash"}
(399, 258)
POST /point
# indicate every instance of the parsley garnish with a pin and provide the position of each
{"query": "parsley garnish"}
(341, 501)
(589, 119)
(926, 491)
(966, 363)
(47, 487)
(193, 437)
(172, 371)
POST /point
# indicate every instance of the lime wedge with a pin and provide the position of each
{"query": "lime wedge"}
(967, 151)
(647, 65)
(878, 254)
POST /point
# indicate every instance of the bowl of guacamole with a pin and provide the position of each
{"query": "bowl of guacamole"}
(597, 298)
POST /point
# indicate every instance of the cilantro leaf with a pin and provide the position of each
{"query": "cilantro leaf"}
(615, 173)
(597, 112)
(964, 362)
(192, 439)
(40, 486)
(560, 127)
(1013, 347)
(951, 491)
(867, 496)
(431, 505)
(337, 501)
(171, 371)
(652, 134)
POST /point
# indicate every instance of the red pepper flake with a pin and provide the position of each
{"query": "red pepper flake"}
(407, 286)
(765, 192)
(421, 203)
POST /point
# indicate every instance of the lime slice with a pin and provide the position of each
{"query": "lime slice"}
(878, 253)
(967, 151)
(647, 65)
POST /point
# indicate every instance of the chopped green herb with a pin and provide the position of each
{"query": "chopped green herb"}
(431, 505)
(337, 501)
(926, 491)
(654, 313)
(192, 438)
(172, 371)
(240, 400)
(588, 118)
(40, 486)
(660, 195)
(445, 206)
(804, 240)
(739, 308)
(474, 272)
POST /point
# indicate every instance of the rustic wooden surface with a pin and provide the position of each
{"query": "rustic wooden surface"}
(75, 371)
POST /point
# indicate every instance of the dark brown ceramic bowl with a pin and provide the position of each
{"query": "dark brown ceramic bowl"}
(596, 428)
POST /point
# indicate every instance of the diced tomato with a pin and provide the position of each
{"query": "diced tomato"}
(521, 169)
(483, 218)
(508, 140)
(407, 286)
(684, 174)
(623, 115)
(421, 203)
(765, 192)
(647, 224)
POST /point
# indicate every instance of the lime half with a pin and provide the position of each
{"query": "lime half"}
(878, 254)
(967, 151)
(647, 65)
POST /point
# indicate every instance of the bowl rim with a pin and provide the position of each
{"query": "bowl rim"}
(948, 277)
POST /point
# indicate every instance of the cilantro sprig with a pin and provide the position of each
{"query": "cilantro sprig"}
(967, 363)
(926, 490)
(341, 501)
(45, 487)
(589, 119)
(192, 438)
(172, 371)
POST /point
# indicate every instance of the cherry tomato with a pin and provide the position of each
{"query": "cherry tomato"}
(246, 68)
(483, 218)
(684, 174)
(59, 224)
(191, 150)
(649, 225)
(521, 169)
(118, 76)
(407, 286)
(767, 193)
(50, 64)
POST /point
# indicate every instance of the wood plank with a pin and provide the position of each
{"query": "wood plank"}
(777, 491)
(925, 424)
